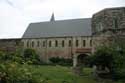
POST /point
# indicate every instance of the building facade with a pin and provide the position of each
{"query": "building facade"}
(71, 38)
(108, 26)
(58, 38)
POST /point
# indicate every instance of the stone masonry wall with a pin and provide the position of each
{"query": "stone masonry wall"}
(67, 51)
(107, 25)
(109, 18)
(9, 45)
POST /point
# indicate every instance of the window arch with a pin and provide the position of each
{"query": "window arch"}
(44, 43)
(77, 43)
(70, 43)
(32, 43)
(22, 43)
(50, 43)
(27, 43)
(84, 43)
(91, 42)
(56, 43)
(63, 43)
(115, 23)
(38, 43)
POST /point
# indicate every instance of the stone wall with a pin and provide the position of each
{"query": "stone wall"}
(9, 45)
(108, 19)
(65, 51)
(108, 25)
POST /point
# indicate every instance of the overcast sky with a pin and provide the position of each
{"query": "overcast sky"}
(15, 15)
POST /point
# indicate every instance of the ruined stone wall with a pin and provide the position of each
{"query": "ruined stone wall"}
(107, 19)
(9, 45)
(107, 25)
(65, 51)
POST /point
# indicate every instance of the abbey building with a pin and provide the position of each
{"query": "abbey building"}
(59, 38)
(71, 38)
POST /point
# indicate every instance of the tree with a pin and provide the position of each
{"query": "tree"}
(112, 57)
(103, 57)
(31, 57)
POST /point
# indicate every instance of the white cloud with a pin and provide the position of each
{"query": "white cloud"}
(16, 14)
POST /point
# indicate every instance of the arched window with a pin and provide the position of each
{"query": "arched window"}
(77, 43)
(50, 43)
(90, 42)
(99, 26)
(63, 43)
(32, 43)
(44, 43)
(84, 43)
(22, 43)
(70, 43)
(56, 43)
(115, 23)
(27, 43)
(38, 43)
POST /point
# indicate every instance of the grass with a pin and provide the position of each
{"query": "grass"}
(59, 74)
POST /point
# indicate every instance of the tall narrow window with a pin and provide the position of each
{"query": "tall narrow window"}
(90, 42)
(115, 23)
(44, 43)
(70, 43)
(63, 43)
(77, 43)
(56, 43)
(27, 43)
(32, 44)
(84, 43)
(22, 43)
(38, 43)
(50, 43)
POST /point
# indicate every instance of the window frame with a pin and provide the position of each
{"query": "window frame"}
(63, 43)
(77, 43)
(50, 43)
(84, 43)
(56, 43)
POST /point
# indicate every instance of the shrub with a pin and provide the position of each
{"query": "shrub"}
(112, 58)
(103, 57)
(31, 57)
(61, 61)
(16, 73)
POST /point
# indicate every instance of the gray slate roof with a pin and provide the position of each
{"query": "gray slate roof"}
(62, 28)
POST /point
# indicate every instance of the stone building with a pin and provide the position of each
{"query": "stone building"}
(72, 38)
(59, 38)
(108, 26)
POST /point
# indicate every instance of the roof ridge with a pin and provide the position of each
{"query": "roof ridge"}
(60, 20)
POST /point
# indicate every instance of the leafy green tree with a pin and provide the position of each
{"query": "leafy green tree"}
(103, 57)
(31, 57)
(112, 57)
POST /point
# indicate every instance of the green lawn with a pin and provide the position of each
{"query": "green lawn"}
(59, 74)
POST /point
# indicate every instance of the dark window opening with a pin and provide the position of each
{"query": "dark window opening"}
(38, 43)
(84, 43)
(77, 43)
(44, 43)
(32, 44)
(63, 43)
(90, 42)
(22, 43)
(27, 43)
(56, 43)
(115, 23)
(70, 43)
(50, 43)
